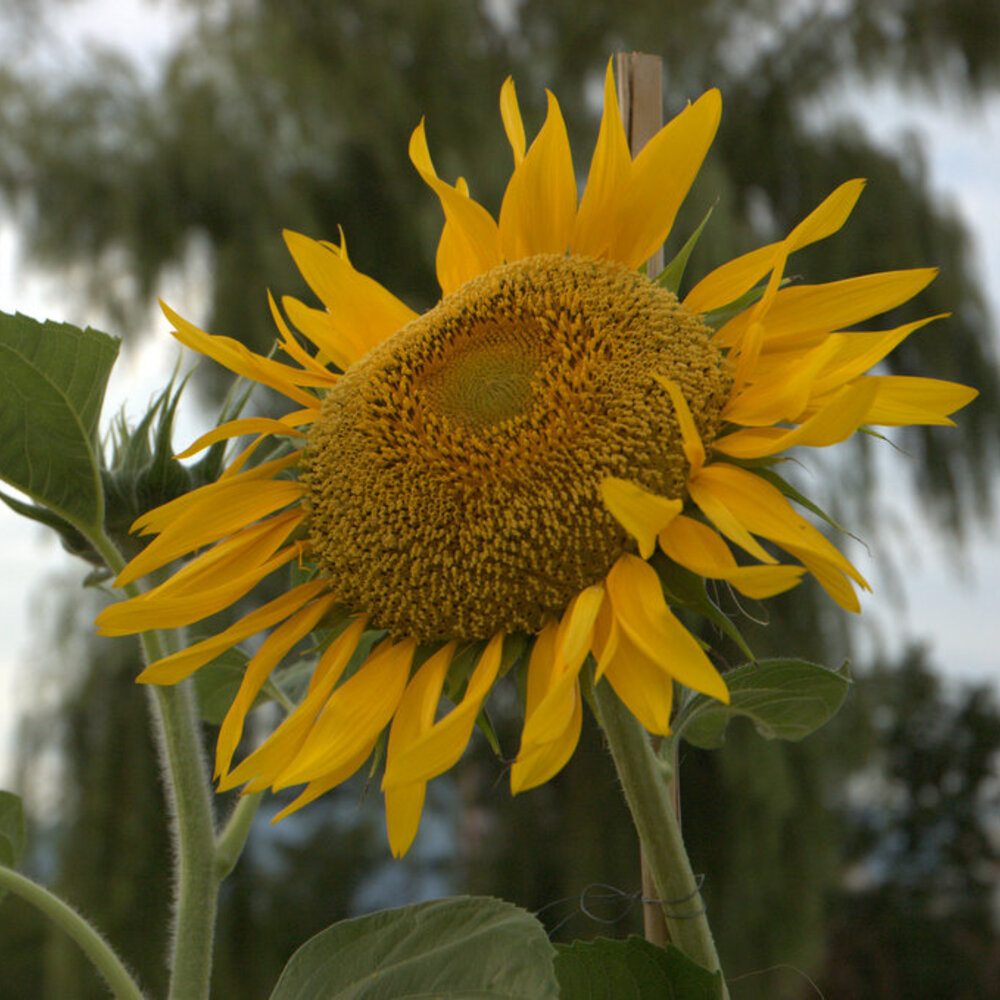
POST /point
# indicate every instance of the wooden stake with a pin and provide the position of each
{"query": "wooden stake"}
(640, 97)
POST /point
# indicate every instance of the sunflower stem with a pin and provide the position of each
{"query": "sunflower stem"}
(648, 794)
(100, 953)
(188, 791)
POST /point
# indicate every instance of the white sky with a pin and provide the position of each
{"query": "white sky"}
(956, 614)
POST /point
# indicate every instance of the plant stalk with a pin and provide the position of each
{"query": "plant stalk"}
(189, 798)
(647, 792)
(100, 953)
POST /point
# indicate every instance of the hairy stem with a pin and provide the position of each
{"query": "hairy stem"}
(647, 790)
(189, 799)
(100, 953)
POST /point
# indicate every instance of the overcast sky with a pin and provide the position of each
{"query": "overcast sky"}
(955, 613)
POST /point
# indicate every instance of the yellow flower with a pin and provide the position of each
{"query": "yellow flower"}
(507, 464)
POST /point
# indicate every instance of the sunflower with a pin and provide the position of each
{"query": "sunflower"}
(505, 476)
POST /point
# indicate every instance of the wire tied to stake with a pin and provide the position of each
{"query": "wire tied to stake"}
(595, 894)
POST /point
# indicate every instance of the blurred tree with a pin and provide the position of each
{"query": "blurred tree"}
(297, 113)
(917, 916)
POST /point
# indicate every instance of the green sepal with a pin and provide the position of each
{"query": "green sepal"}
(516, 647)
(485, 725)
(719, 317)
(378, 754)
(784, 698)
(671, 276)
(634, 968)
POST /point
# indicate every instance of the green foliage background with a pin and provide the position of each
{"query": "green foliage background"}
(297, 113)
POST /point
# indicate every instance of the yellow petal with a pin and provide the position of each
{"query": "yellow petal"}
(859, 352)
(547, 717)
(830, 577)
(594, 229)
(576, 629)
(538, 764)
(242, 552)
(330, 779)
(361, 310)
(433, 748)
(762, 509)
(174, 668)
(641, 513)
(262, 766)
(827, 217)
(642, 684)
(700, 549)
(241, 360)
(236, 507)
(712, 503)
(759, 582)
(802, 309)
(650, 626)
(290, 345)
(451, 262)
(695, 545)
(272, 651)
(250, 425)
(476, 235)
(606, 637)
(160, 518)
(731, 280)
(403, 806)
(552, 712)
(783, 395)
(510, 112)
(902, 400)
(354, 715)
(415, 714)
(834, 422)
(172, 609)
(660, 178)
(342, 347)
(539, 205)
(694, 450)
(736, 277)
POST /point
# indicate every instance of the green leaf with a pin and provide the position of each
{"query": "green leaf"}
(52, 382)
(785, 699)
(671, 276)
(632, 969)
(451, 949)
(12, 829)
(217, 682)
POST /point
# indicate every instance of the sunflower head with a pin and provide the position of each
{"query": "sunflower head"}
(505, 466)
(453, 473)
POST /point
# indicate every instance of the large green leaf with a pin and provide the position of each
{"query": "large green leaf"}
(632, 969)
(451, 949)
(785, 699)
(52, 382)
